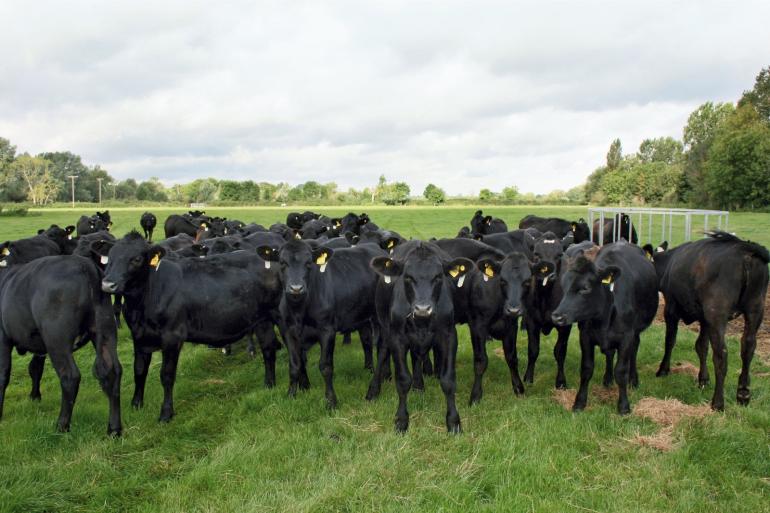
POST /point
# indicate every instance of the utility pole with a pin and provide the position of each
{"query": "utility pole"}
(114, 191)
(100, 189)
(72, 181)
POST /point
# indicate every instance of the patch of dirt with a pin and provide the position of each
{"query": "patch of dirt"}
(734, 328)
(685, 368)
(596, 393)
(667, 413)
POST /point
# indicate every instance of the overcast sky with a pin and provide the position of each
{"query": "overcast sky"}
(466, 95)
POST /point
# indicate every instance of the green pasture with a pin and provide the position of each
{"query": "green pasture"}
(235, 446)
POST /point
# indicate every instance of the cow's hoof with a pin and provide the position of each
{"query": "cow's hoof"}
(662, 372)
(529, 377)
(138, 404)
(269, 383)
(744, 396)
(331, 403)
(166, 416)
(114, 432)
(372, 393)
(561, 385)
(578, 406)
(402, 425)
(718, 405)
(63, 427)
(624, 409)
(453, 427)
(518, 389)
(35, 396)
(703, 382)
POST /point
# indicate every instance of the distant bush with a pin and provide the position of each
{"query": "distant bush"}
(13, 212)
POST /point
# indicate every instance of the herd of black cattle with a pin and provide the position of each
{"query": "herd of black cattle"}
(216, 281)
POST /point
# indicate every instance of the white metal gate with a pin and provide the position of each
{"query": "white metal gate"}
(649, 222)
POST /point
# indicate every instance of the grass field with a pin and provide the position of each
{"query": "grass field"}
(235, 446)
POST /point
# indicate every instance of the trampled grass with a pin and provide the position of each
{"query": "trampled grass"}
(235, 446)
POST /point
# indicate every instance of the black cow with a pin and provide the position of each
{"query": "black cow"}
(508, 242)
(216, 301)
(484, 225)
(53, 241)
(559, 227)
(176, 224)
(712, 281)
(416, 313)
(325, 291)
(295, 220)
(148, 222)
(52, 306)
(610, 235)
(92, 224)
(614, 298)
(542, 295)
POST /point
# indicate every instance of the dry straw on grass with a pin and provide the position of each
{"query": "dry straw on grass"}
(667, 413)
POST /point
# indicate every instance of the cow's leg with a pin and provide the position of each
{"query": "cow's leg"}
(533, 350)
(427, 365)
(586, 370)
(149, 239)
(365, 334)
(69, 377)
(346, 339)
(383, 364)
(418, 384)
(36, 365)
(403, 383)
(448, 380)
(752, 319)
(623, 371)
(142, 359)
(609, 362)
(702, 349)
(512, 357)
(295, 359)
(716, 333)
(633, 373)
(304, 379)
(672, 324)
(326, 365)
(265, 333)
(5, 369)
(251, 347)
(109, 371)
(480, 360)
(560, 354)
(168, 377)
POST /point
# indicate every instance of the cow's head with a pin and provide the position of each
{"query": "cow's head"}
(423, 275)
(547, 252)
(7, 254)
(511, 275)
(587, 289)
(580, 230)
(297, 261)
(129, 260)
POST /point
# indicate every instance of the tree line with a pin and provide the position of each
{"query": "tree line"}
(722, 161)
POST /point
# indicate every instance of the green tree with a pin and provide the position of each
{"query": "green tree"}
(738, 165)
(663, 149)
(11, 187)
(36, 173)
(229, 190)
(486, 195)
(511, 193)
(202, 190)
(759, 95)
(126, 190)
(698, 135)
(396, 193)
(311, 191)
(615, 154)
(151, 190)
(434, 194)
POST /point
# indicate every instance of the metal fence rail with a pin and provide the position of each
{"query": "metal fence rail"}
(655, 217)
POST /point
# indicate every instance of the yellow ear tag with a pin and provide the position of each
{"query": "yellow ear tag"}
(574, 227)
(544, 269)
(607, 280)
(488, 271)
(391, 243)
(454, 272)
(6, 251)
(321, 261)
(155, 261)
(388, 263)
(204, 226)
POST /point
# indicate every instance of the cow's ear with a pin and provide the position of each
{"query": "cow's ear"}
(296, 234)
(479, 237)
(457, 269)
(648, 251)
(5, 248)
(321, 257)
(487, 219)
(336, 222)
(489, 268)
(609, 275)
(545, 271)
(663, 246)
(387, 267)
(41, 231)
(69, 229)
(390, 244)
(154, 255)
(101, 249)
(199, 250)
(268, 254)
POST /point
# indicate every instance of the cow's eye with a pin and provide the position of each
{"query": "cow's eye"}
(137, 260)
